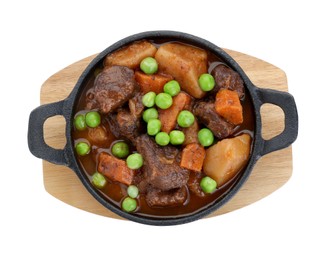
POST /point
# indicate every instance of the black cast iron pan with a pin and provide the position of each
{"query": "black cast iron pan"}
(66, 156)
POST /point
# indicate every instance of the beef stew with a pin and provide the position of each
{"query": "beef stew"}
(169, 181)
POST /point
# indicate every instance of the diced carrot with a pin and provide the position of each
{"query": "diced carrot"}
(153, 82)
(115, 169)
(193, 157)
(168, 116)
(228, 105)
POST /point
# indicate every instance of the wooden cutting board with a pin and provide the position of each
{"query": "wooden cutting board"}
(270, 173)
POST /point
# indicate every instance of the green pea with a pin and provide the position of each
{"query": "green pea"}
(98, 180)
(206, 82)
(205, 137)
(80, 122)
(172, 88)
(153, 126)
(132, 191)
(208, 185)
(93, 119)
(162, 138)
(83, 148)
(148, 99)
(150, 113)
(134, 161)
(129, 204)
(120, 149)
(149, 65)
(185, 118)
(177, 137)
(163, 100)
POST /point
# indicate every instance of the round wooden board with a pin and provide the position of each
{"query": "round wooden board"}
(270, 173)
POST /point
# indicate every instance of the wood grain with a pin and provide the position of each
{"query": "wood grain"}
(270, 173)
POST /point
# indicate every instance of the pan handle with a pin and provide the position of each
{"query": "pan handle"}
(287, 103)
(36, 141)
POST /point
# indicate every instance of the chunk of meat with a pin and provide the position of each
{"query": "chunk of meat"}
(136, 106)
(143, 185)
(161, 169)
(131, 55)
(113, 87)
(224, 159)
(205, 112)
(168, 116)
(193, 157)
(124, 125)
(194, 183)
(191, 133)
(228, 105)
(90, 100)
(115, 169)
(185, 63)
(171, 198)
(226, 78)
(128, 125)
(154, 82)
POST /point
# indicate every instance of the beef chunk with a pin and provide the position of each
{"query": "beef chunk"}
(90, 99)
(194, 183)
(205, 111)
(142, 185)
(112, 88)
(191, 133)
(128, 125)
(124, 125)
(161, 167)
(226, 78)
(136, 106)
(171, 198)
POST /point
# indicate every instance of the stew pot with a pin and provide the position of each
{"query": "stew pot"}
(66, 156)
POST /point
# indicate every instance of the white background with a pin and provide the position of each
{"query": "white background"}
(38, 38)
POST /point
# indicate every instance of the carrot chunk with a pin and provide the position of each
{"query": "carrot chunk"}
(193, 157)
(168, 116)
(115, 169)
(228, 105)
(153, 82)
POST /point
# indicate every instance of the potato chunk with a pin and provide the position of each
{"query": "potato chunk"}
(131, 55)
(224, 159)
(185, 63)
